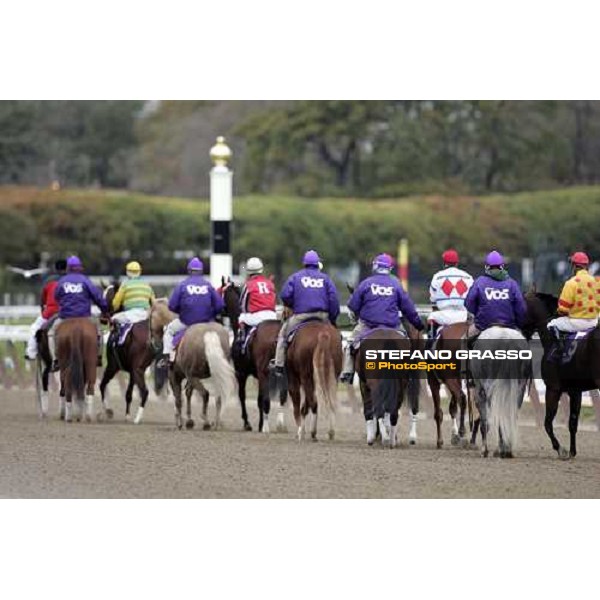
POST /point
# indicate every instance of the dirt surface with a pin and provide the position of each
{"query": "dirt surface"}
(52, 459)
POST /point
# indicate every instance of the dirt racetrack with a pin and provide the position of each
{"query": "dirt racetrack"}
(52, 459)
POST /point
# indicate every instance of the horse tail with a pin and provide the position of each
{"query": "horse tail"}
(324, 372)
(221, 370)
(385, 397)
(76, 363)
(505, 395)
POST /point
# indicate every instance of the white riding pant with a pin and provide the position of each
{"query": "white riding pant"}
(571, 325)
(449, 316)
(133, 315)
(32, 342)
(256, 318)
(172, 329)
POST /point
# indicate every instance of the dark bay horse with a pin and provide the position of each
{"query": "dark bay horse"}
(76, 350)
(254, 362)
(450, 339)
(580, 374)
(314, 363)
(137, 353)
(382, 398)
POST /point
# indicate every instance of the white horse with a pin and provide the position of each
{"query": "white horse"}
(500, 387)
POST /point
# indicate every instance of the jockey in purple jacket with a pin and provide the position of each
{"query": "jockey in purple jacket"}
(309, 294)
(195, 300)
(495, 298)
(75, 295)
(377, 302)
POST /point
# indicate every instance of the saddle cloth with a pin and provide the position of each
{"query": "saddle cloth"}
(296, 328)
(178, 337)
(123, 332)
(569, 346)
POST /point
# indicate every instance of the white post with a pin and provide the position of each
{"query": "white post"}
(221, 195)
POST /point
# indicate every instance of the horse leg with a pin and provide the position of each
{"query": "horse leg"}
(264, 402)
(414, 411)
(189, 392)
(140, 380)
(241, 379)
(453, 410)
(575, 398)
(89, 400)
(205, 421)
(176, 381)
(483, 410)
(552, 400)
(368, 412)
(474, 433)
(462, 400)
(296, 399)
(394, 412)
(310, 407)
(128, 397)
(62, 405)
(438, 414)
(109, 373)
(218, 404)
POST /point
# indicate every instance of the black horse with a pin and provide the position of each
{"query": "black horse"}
(253, 361)
(581, 373)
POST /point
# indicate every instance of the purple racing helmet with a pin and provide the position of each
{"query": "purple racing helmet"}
(195, 265)
(382, 262)
(311, 259)
(74, 264)
(494, 259)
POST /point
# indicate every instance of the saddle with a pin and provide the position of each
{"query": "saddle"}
(178, 337)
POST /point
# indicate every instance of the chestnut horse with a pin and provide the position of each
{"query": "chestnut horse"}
(254, 361)
(314, 363)
(450, 339)
(76, 350)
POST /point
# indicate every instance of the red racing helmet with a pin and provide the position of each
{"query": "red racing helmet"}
(450, 257)
(580, 258)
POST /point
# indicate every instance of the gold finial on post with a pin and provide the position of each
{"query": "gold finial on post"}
(220, 153)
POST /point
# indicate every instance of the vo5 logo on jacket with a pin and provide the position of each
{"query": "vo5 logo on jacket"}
(73, 288)
(195, 290)
(309, 282)
(494, 294)
(382, 290)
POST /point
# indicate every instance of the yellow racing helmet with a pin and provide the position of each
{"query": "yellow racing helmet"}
(133, 268)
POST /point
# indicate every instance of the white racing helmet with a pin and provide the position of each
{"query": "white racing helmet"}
(254, 265)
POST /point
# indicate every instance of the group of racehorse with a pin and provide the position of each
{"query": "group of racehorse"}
(313, 365)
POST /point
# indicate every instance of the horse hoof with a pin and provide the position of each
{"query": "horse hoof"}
(472, 446)
(507, 454)
(281, 428)
(572, 453)
(440, 444)
(127, 418)
(484, 453)
(563, 454)
(247, 427)
(412, 442)
(455, 439)
(109, 413)
(206, 427)
(498, 454)
(100, 417)
(331, 435)
(189, 424)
